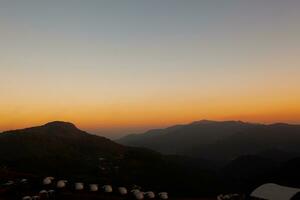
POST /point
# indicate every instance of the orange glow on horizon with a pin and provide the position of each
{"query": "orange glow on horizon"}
(135, 117)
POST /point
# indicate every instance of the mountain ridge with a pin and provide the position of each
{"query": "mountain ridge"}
(62, 150)
(55, 144)
(218, 139)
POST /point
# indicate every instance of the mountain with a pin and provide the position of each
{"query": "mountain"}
(51, 138)
(220, 140)
(61, 148)
(180, 139)
(271, 141)
(277, 154)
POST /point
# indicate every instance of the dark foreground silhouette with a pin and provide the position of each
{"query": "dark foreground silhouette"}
(61, 150)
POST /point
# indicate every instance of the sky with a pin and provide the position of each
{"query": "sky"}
(114, 67)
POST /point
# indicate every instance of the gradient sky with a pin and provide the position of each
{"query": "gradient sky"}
(122, 66)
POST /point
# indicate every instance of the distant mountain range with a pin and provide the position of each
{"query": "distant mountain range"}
(221, 140)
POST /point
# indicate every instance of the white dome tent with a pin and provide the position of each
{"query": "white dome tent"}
(122, 190)
(61, 184)
(107, 188)
(48, 180)
(93, 187)
(150, 195)
(271, 191)
(36, 197)
(79, 186)
(139, 195)
(27, 198)
(163, 195)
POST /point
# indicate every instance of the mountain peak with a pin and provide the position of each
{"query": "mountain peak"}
(206, 121)
(60, 124)
(61, 128)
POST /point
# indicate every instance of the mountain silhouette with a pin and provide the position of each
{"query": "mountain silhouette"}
(245, 155)
(61, 148)
(54, 136)
(220, 140)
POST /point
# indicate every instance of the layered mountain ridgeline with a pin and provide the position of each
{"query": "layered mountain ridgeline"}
(60, 149)
(225, 140)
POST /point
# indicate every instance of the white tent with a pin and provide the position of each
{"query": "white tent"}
(271, 191)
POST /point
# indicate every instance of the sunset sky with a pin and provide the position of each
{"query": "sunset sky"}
(124, 66)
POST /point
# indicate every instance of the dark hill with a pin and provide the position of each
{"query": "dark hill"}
(248, 172)
(52, 137)
(61, 148)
